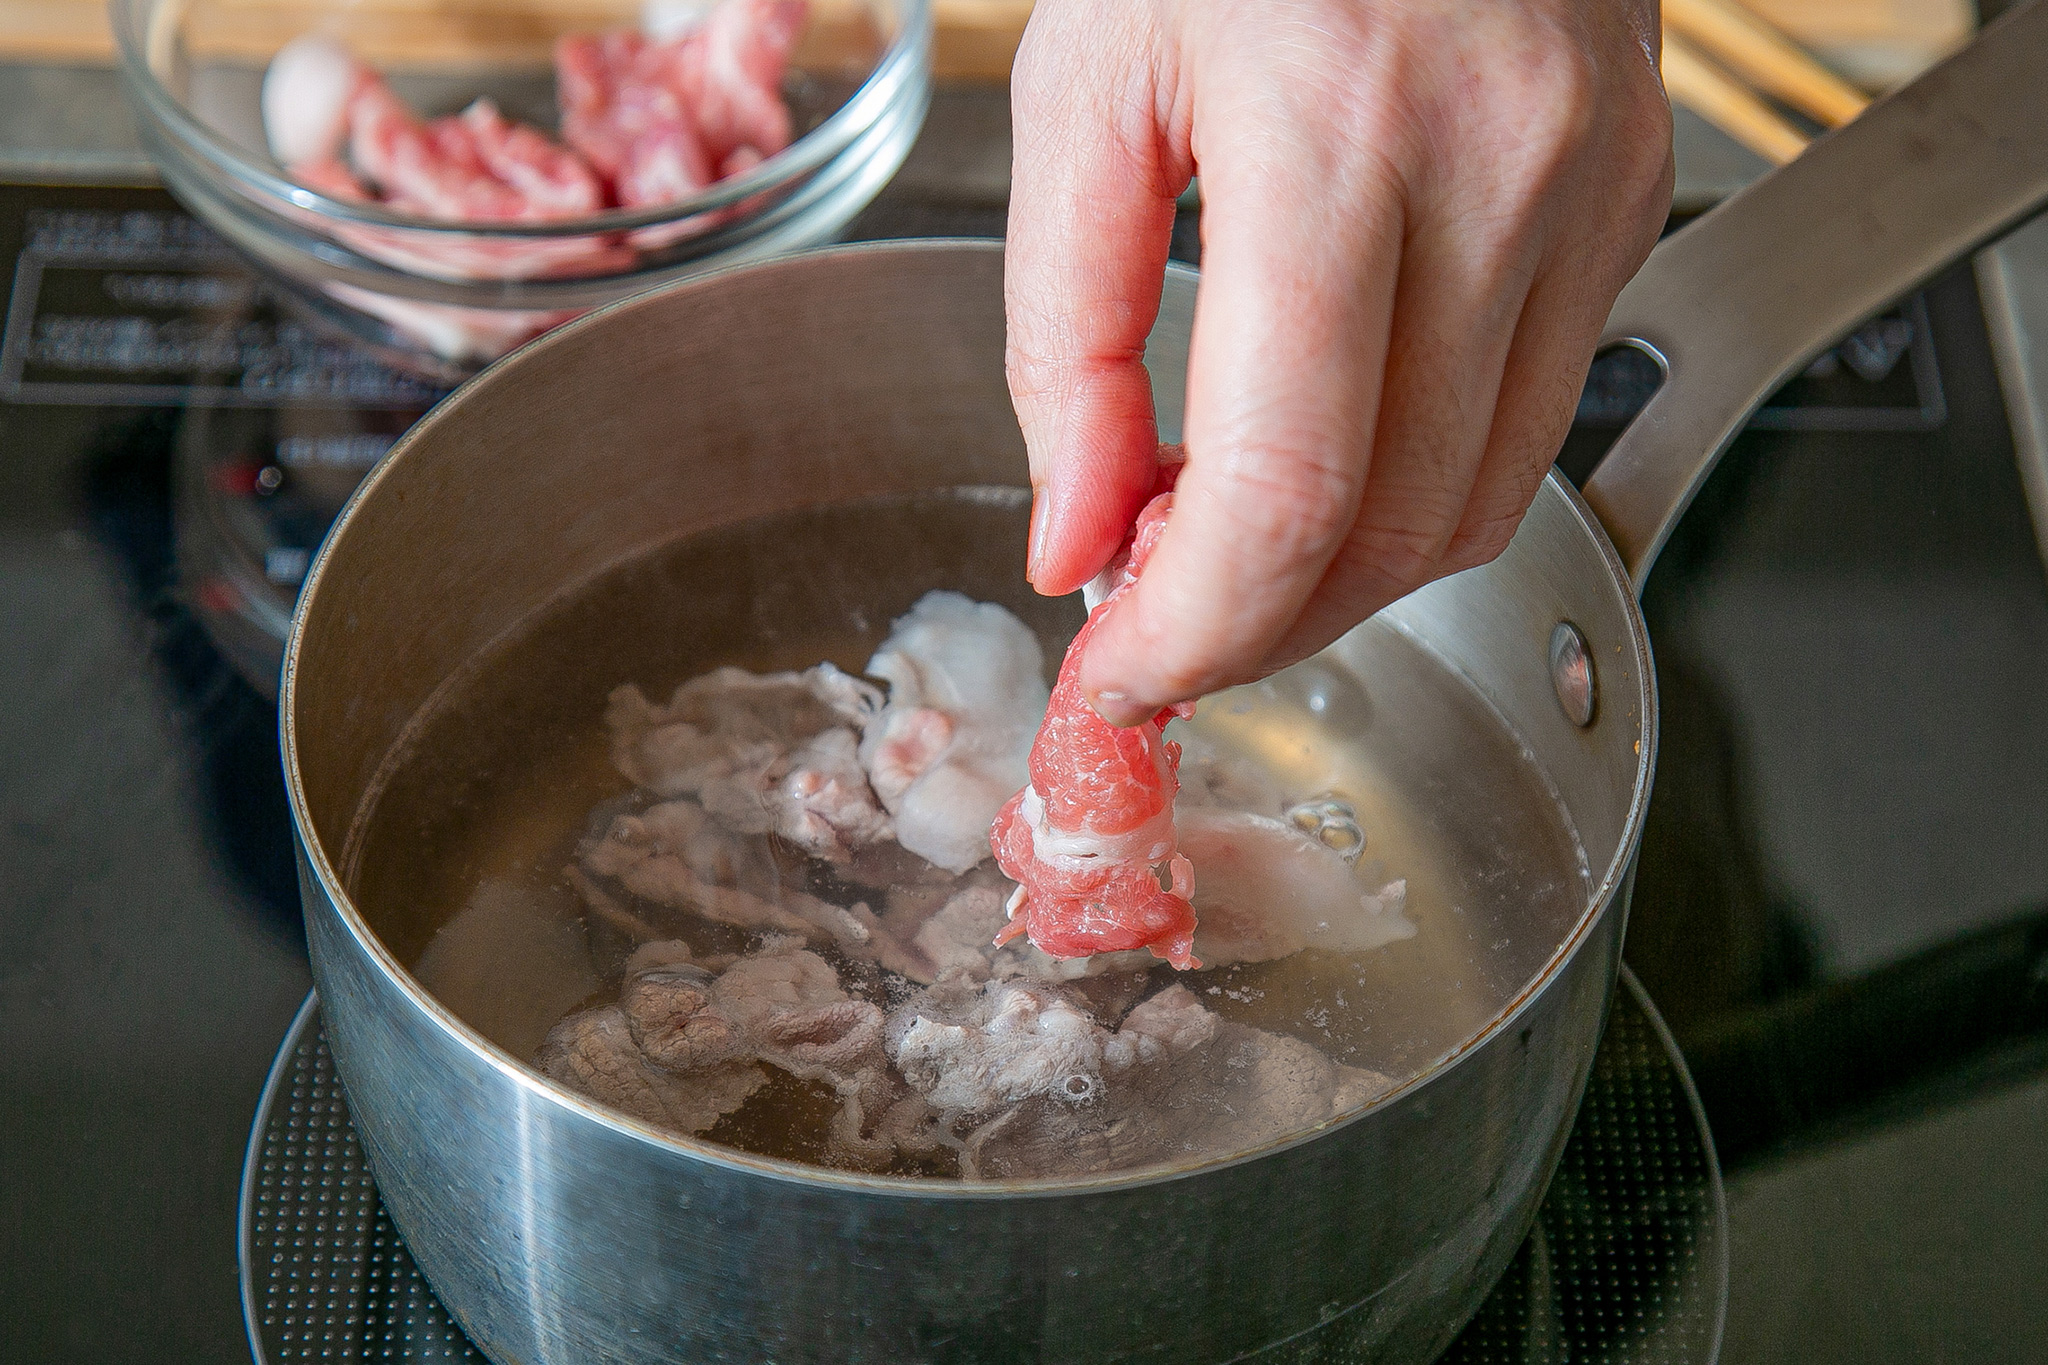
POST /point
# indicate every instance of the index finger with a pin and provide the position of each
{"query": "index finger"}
(1092, 197)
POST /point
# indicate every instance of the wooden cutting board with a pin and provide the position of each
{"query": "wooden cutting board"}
(1876, 42)
(974, 41)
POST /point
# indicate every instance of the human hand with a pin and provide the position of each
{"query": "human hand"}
(1416, 215)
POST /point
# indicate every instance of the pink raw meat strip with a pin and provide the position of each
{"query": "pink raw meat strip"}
(1088, 840)
(663, 118)
(635, 128)
(476, 167)
(745, 52)
(552, 180)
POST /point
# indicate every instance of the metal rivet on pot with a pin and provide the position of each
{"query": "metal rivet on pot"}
(1571, 673)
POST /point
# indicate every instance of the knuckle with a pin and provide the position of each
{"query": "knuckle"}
(1569, 86)
(1642, 149)
(1381, 562)
(1389, 138)
(1495, 512)
(1055, 42)
(1037, 391)
(1397, 559)
(1063, 376)
(1519, 484)
(1559, 105)
(1483, 541)
(1294, 503)
(1402, 536)
(1031, 374)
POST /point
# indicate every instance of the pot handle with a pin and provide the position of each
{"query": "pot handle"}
(1734, 304)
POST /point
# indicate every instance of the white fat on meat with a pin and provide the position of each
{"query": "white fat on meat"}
(1263, 890)
(763, 753)
(1073, 849)
(667, 20)
(306, 93)
(967, 693)
(1014, 1042)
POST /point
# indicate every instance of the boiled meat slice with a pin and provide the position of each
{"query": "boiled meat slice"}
(763, 753)
(686, 1046)
(783, 1005)
(1264, 890)
(1011, 1042)
(674, 854)
(1181, 1084)
(594, 1054)
(958, 936)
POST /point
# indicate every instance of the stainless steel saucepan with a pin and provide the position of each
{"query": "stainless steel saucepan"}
(557, 1231)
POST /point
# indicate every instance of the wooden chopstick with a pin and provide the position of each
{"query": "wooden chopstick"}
(1751, 48)
(1690, 79)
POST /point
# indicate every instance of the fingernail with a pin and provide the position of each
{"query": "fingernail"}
(1034, 551)
(1119, 709)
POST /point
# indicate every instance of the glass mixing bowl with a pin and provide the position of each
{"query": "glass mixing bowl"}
(444, 299)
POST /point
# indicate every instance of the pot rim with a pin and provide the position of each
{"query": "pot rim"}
(539, 1087)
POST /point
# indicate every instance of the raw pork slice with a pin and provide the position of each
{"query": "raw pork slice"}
(1090, 842)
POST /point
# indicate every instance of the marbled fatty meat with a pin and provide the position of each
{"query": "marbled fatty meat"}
(1091, 842)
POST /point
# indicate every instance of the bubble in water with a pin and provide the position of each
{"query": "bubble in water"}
(1332, 822)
